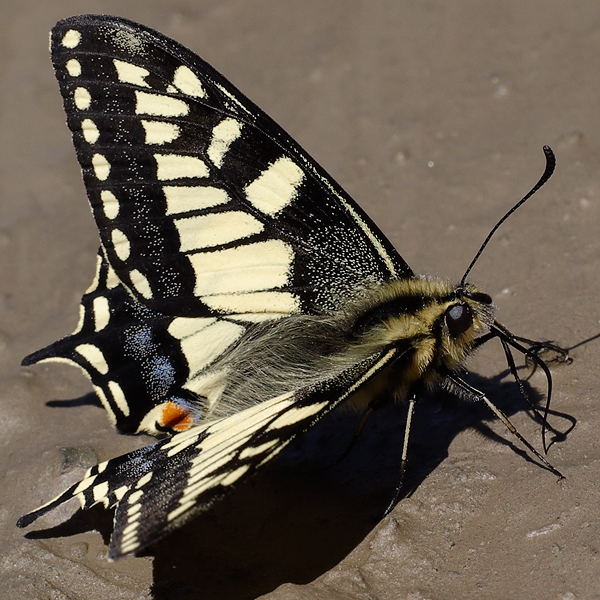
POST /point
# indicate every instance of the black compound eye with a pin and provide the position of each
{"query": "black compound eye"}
(458, 319)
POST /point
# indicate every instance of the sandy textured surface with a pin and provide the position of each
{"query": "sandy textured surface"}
(432, 115)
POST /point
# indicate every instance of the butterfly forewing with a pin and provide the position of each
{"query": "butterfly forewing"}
(204, 205)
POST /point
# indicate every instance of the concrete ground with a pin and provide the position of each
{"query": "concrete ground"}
(432, 115)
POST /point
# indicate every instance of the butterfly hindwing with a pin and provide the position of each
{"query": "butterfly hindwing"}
(157, 488)
(144, 365)
(132, 355)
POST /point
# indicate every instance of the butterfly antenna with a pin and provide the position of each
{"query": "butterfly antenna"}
(550, 165)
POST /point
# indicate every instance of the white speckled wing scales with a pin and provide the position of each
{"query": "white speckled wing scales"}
(204, 205)
(157, 488)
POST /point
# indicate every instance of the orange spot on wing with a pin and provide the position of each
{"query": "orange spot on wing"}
(175, 417)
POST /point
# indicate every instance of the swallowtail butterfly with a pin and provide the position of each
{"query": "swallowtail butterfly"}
(240, 293)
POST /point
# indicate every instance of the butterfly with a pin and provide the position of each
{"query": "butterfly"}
(240, 293)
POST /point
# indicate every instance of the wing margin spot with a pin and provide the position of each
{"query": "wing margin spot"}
(71, 39)
(82, 98)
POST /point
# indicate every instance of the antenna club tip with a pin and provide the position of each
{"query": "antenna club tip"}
(550, 165)
(550, 156)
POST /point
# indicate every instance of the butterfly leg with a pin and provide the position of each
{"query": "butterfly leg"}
(474, 394)
(533, 352)
(403, 460)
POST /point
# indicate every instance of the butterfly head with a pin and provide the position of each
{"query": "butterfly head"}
(436, 325)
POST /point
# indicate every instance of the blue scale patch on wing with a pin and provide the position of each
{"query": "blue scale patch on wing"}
(158, 488)
(136, 366)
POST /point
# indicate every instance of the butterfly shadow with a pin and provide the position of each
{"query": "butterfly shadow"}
(308, 509)
(313, 504)
(90, 399)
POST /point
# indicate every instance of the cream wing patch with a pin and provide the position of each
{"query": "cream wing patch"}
(94, 356)
(159, 132)
(140, 283)
(182, 327)
(159, 106)
(101, 311)
(110, 204)
(119, 397)
(178, 166)
(254, 303)
(73, 67)
(120, 244)
(197, 233)
(82, 98)
(128, 73)
(187, 81)
(203, 340)
(252, 267)
(276, 187)
(182, 199)
(223, 135)
(71, 39)
(90, 131)
(101, 167)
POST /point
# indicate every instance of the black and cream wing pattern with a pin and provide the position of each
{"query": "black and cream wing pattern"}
(211, 219)
(216, 229)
